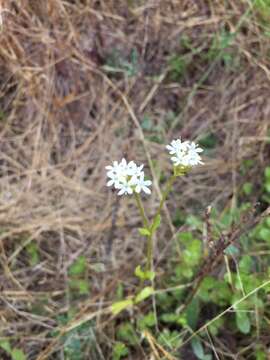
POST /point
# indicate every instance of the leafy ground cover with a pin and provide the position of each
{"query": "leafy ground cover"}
(86, 82)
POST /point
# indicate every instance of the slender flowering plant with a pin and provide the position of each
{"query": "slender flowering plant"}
(128, 178)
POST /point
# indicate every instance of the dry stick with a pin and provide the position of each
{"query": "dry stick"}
(223, 242)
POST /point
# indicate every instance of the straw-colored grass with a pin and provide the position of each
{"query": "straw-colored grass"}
(72, 99)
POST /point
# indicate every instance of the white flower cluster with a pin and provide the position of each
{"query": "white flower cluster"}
(185, 153)
(127, 177)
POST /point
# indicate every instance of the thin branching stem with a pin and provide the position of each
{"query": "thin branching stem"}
(142, 211)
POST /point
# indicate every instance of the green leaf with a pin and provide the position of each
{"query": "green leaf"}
(169, 318)
(144, 232)
(197, 348)
(264, 234)
(267, 172)
(32, 250)
(147, 123)
(144, 275)
(144, 294)
(4, 344)
(231, 250)
(119, 351)
(267, 187)
(83, 286)
(79, 286)
(260, 354)
(185, 236)
(170, 339)
(267, 221)
(18, 354)
(247, 188)
(126, 333)
(192, 253)
(147, 321)
(245, 264)
(156, 223)
(139, 272)
(194, 222)
(193, 311)
(243, 322)
(216, 326)
(79, 266)
(119, 306)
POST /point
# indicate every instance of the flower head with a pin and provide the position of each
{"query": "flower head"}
(185, 154)
(127, 177)
(141, 184)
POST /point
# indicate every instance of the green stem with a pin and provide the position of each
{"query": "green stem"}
(150, 238)
(141, 209)
(149, 252)
(146, 223)
(165, 193)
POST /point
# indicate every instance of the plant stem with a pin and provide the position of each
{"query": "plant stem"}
(149, 255)
(165, 193)
(149, 252)
(141, 209)
(150, 238)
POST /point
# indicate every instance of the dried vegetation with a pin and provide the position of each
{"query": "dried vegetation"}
(84, 82)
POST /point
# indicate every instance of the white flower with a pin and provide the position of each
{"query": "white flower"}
(177, 146)
(125, 188)
(185, 153)
(141, 184)
(127, 177)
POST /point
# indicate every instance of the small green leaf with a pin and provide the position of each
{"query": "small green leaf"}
(32, 250)
(119, 351)
(264, 234)
(197, 348)
(147, 123)
(147, 321)
(127, 333)
(119, 306)
(245, 264)
(144, 294)
(144, 275)
(267, 221)
(247, 188)
(193, 311)
(4, 344)
(18, 354)
(150, 275)
(243, 322)
(144, 232)
(83, 286)
(139, 272)
(260, 354)
(170, 318)
(231, 250)
(170, 339)
(267, 172)
(79, 266)
(267, 187)
(156, 223)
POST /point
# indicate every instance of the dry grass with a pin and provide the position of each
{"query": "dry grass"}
(65, 115)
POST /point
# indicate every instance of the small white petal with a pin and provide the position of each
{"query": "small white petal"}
(148, 182)
(146, 190)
